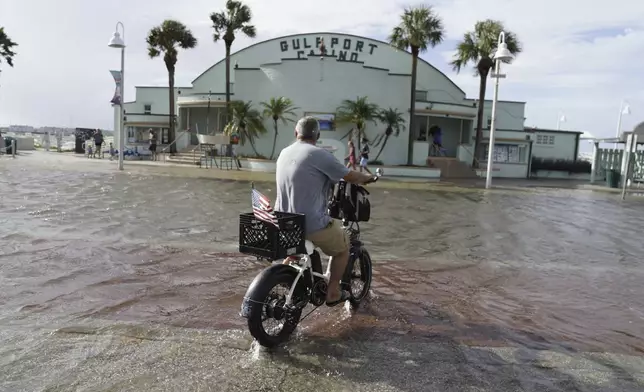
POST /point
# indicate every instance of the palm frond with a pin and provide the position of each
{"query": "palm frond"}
(166, 38)
(482, 42)
(236, 17)
(420, 28)
(6, 48)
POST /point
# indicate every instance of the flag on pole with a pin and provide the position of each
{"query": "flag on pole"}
(116, 99)
(262, 208)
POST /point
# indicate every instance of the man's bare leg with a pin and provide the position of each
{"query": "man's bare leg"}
(338, 266)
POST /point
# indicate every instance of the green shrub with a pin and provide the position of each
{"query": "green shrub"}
(565, 165)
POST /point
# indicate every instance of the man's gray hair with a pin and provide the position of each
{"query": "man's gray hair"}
(308, 128)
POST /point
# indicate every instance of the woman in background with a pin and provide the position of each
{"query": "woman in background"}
(352, 156)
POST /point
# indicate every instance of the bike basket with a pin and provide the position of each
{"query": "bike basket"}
(265, 240)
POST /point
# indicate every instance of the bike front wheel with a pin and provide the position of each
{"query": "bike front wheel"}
(270, 321)
(361, 276)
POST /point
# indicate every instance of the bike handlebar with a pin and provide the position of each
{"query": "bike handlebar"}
(379, 173)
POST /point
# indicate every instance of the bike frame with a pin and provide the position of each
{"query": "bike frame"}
(308, 265)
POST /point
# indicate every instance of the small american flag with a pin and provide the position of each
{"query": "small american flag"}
(262, 208)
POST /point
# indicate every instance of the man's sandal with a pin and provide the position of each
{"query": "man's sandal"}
(345, 296)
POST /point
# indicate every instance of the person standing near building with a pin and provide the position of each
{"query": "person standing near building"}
(153, 144)
(46, 141)
(364, 155)
(98, 142)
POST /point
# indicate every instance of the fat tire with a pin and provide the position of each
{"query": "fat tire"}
(366, 272)
(255, 317)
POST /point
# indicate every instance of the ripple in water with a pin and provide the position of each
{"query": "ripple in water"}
(465, 277)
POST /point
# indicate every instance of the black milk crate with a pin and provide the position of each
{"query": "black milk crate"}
(265, 240)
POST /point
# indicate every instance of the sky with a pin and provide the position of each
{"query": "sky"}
(580, 60)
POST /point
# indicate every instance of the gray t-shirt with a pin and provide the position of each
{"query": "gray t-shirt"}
(305, 176)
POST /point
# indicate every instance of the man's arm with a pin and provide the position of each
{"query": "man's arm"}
(336, 171)
(359, 178)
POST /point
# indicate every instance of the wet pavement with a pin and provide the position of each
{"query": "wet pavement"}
(131, 282)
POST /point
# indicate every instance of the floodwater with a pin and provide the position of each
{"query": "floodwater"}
(131, 282)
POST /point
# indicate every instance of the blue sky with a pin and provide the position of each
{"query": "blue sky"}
(578, 59)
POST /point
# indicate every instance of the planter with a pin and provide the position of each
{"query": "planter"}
(262, 165)
(562, 175)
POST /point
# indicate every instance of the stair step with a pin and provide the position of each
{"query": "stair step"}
(452, 167)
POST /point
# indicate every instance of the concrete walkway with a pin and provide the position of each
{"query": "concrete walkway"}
(79, 162)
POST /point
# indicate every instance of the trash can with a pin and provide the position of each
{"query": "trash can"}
(612, 178)
(7, 144)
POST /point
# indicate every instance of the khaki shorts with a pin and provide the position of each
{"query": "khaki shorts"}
(332, 240)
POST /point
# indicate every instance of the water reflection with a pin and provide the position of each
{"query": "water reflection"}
(130, 269)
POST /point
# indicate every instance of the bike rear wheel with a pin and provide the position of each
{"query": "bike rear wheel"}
(271, 307)
(361, 276)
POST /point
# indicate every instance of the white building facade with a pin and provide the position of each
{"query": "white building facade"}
(293, 67)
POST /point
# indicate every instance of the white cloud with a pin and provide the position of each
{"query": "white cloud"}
(578, 58)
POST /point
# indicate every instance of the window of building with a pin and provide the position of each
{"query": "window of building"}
(489, 122)
(147, 109)
(546, 140)
(421, 95)
(165, 136)
(508, 153)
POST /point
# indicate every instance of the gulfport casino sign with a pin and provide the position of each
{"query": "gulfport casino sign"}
(342, 48)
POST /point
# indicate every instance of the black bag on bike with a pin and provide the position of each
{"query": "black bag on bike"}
(350, 202)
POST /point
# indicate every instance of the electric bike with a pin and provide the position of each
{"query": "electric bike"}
(302, 281)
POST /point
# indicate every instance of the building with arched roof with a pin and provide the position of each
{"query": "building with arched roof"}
(294, 67)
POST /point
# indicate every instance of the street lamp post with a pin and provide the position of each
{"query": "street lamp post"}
(119, 43)
(502, 54)
(624, 108)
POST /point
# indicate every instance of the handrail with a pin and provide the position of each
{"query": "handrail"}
(165, 149)
(471, 153)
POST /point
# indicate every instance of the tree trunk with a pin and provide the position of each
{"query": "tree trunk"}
(173, 146)
(252, 144)
(412, 108)
(359, 139)
(483, 68)
(274, 139)
(228, 45)
(347, 134)
(384, 143)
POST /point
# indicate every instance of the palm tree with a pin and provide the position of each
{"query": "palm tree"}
(358, 113)
(419, 28)
(6, 48)
(280, 108)
(246, 122)
(236, 17)
(478, 48)
(395, 123)
(165, 39)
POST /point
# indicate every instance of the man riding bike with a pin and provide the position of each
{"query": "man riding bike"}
(305, 176)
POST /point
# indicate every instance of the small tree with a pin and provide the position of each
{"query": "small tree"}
(478, 47)
(357, 113)
(166, 38)
(394, 122)
(246, 122)
(280, 108)
(235, 18)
